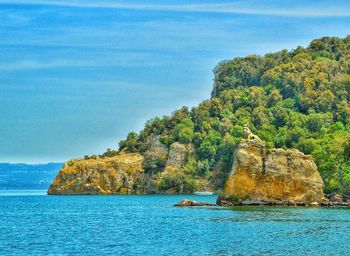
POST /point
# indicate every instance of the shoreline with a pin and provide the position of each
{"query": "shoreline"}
(192, 203)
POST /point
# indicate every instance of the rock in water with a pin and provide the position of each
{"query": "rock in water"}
(188, 202)
(271, 176)
(109, 175)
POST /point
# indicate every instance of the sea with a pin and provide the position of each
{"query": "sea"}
(33, 223)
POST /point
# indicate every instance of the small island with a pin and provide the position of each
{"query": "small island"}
(275, 131)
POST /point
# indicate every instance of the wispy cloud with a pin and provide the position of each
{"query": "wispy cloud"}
(229, 8)
(123, 60)
(105, 66)
(34, 64)
(8, 18)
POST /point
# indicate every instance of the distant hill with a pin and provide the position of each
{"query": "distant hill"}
(27, 176)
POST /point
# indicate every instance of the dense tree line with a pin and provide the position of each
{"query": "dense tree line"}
(291, 99)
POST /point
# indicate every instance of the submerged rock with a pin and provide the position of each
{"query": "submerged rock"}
(267, 176)
(188, 202)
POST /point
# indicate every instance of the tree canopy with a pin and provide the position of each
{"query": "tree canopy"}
(291, 99)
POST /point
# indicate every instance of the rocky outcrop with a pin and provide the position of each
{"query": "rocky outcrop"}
(336, 200)
(125, 173)
(178, 154)
(258, 176)
(119, 174)
(275, 176)
(334, 197)
(188, 202)
(156, 146)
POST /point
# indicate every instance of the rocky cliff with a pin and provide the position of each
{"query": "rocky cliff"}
(125, 173)
(178, 154)
(110, 175)
(271, 175)
(257, 173)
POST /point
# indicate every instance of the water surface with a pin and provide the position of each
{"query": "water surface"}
(32, 223)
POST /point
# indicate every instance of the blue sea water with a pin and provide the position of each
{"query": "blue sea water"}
(32, 223)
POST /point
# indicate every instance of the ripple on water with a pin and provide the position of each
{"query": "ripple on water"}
(149, 225)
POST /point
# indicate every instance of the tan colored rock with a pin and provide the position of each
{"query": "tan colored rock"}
(282, 175)
(107, 175)
(314, 204)
(178, 154)
(156, 146)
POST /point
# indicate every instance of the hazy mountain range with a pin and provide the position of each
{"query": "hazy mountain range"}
(27, 176)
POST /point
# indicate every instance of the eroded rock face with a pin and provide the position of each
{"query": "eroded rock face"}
(178, 154)
(120, 174)
(125, 173)
(156, 146)
(275, 176)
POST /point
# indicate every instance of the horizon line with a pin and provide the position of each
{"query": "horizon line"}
(32, 163)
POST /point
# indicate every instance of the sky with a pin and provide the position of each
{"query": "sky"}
(77, 76)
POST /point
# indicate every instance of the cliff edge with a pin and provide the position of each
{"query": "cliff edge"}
(158, 170)
(109, 175)
(275, 175)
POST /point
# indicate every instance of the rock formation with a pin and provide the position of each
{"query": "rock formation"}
(123, 173)
(258, 176)
(156, 146)
(108, 175)
(188, 202)
(177, 155)
(276, 175)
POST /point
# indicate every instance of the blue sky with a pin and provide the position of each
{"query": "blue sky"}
(77, 76)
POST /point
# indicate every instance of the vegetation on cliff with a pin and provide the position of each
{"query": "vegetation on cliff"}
(290, 99)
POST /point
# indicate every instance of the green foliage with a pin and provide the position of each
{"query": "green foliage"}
(210, 145)
(183, 132)
(291, 99)
(108, 153)
(154, 162)
(197, 168)
(315, 122)
(131, 143)
(307, 145)
(177, 182)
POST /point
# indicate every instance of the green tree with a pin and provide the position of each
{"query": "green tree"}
(184, 131)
